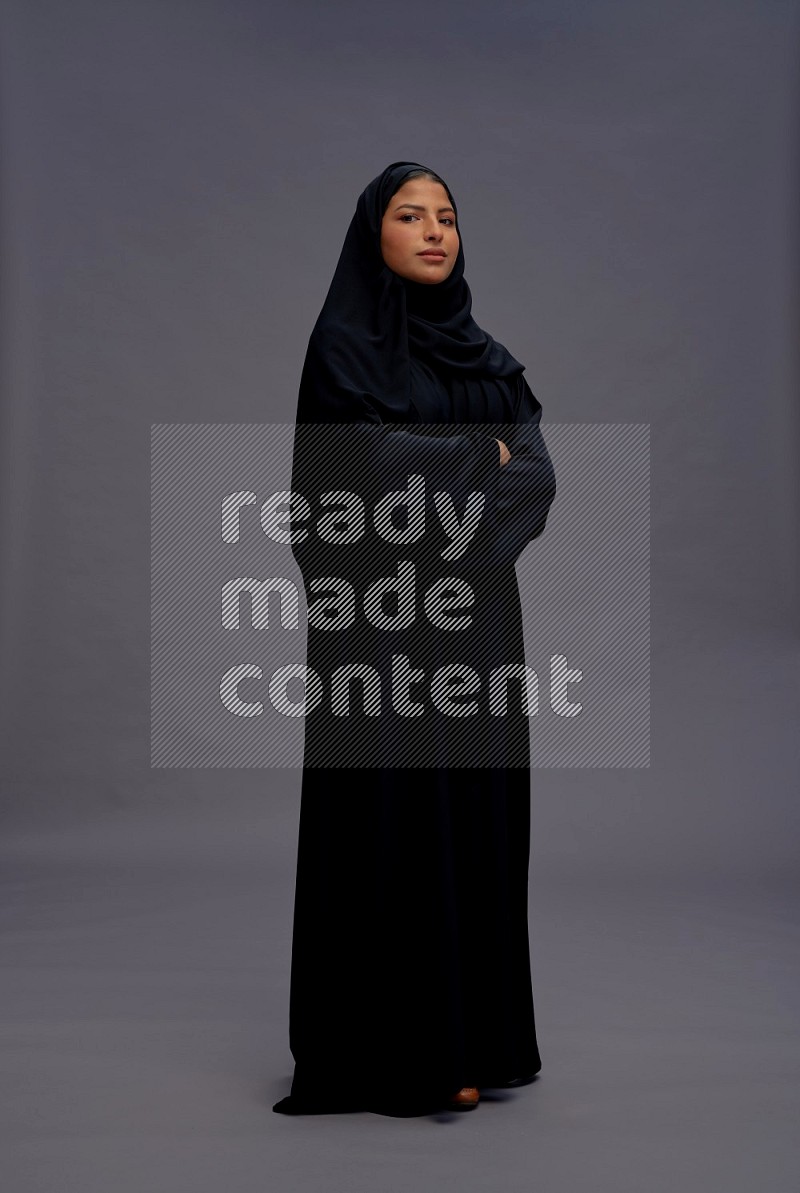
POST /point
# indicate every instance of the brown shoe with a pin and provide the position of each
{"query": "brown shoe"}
(466, 1099)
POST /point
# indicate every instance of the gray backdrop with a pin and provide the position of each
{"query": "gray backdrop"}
(177, 181)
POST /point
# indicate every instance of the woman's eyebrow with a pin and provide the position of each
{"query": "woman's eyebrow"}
(416, 207)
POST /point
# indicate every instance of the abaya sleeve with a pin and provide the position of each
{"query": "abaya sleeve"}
(401, 475)
(526, 485)
(375, 459)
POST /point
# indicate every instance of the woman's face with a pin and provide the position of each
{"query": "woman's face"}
(419, 240)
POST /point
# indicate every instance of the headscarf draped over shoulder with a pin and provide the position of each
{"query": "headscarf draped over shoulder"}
(356, 367)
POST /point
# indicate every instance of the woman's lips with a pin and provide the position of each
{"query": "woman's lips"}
(434, 253)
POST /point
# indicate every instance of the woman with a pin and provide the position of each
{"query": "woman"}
(410, 983)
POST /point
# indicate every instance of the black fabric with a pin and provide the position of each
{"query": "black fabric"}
(410, 956)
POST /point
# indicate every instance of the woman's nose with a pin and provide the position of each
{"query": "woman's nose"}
(433, 231)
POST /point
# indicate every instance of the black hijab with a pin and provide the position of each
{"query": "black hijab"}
(357, 363)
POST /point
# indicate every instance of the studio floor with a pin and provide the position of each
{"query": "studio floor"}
(145, 1028)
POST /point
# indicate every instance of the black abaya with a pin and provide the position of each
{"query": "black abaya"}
(410, 956)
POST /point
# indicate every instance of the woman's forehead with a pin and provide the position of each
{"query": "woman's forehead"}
(422, 190)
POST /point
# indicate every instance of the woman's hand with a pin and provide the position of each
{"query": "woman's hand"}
(505, 454)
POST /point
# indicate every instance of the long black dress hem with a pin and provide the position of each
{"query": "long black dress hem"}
(403, 1108)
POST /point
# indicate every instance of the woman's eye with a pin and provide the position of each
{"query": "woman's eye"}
(408, 216)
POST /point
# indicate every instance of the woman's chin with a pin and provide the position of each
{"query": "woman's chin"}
(427, 278)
